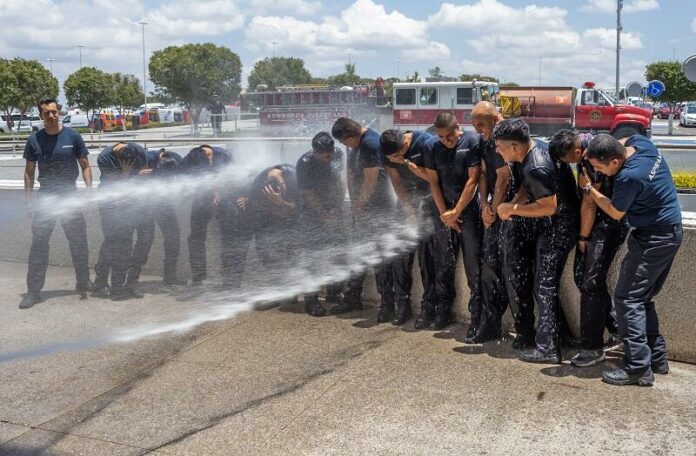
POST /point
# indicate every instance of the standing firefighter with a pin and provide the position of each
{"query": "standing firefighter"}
(60, 153)
(371, 206)
(599, 241)
(497, 184)
(322, 193)
(453, 166)
(406, 152)
(643, 192)
(548, 198)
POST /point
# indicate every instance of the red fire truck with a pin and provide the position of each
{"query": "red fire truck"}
(548, 109)
(305, 109)
(416, 104)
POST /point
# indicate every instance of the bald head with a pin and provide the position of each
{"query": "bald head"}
(484, 116)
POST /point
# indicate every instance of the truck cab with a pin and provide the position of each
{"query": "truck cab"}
(596, 111)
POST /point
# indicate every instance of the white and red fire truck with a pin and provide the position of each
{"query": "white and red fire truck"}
(416, 104)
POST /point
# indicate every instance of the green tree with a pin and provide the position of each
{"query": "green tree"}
(90, 89)
(349, 77)
(415, 77)
(477, 77)
(194, 73)
(24, 83)
(278, 71)
(509, 84)
(126, 92)
(436, 72)
(677, 87)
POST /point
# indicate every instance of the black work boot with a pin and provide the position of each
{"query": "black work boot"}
(346, 304)
(83, 288)
(314, 308)
(537, 356)
(440, 322)
(484, 334)
(622, 377)
(386, 311)
(403, 312)
(523, 341)
(31, 298)
(424, 318)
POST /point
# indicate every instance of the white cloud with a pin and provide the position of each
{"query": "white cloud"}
(606, 38)
(204, 18)
(630, 6)
(297, 7)
(693, 25)
(493, 15)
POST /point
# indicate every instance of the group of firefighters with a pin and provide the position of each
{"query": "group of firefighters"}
(509, 202)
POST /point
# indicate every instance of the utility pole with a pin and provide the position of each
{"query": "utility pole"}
(397, 69)
(619, 6)
(79, 47)
(539, 71)
(50, 64)
(143, 24)
(274, 45)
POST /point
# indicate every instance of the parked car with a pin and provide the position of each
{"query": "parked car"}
(27, 124)
(687, 118)
(76, 120)
(666, 109)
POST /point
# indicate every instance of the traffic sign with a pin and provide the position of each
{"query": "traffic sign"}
(655, 88)
(633, 89)
(689, 68)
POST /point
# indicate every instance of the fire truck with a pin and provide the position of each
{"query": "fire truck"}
(416, 104)
(302, 110)
(548, 109)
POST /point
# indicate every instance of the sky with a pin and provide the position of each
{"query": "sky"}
(557, 42)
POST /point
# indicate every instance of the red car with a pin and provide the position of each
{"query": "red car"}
(666, 109)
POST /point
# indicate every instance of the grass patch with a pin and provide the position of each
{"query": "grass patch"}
(684, 179)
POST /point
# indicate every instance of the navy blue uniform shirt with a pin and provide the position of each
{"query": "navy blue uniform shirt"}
(644, 189)
(321, 177)
(108, 163)
(539, 172)
(494, 161)
(368, 155)
(452, 166)
(421, 144)
(57, 158)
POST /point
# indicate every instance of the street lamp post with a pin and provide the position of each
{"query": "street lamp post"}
(619, 6)
(397, 69)
(143, 24)
(274, 45)
(79, 48)
(50, 65)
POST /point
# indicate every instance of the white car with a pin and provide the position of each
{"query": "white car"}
(687, 118)
(29, 123)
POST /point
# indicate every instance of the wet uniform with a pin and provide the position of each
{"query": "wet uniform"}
(644, 190)
(323, 226)
(57, 159)
(120, 219)
(544, 245)
(202, 212)
(419, 194)
(452, 166)
(372, 220)
(592, 267)
(165, 217)
(493, 288)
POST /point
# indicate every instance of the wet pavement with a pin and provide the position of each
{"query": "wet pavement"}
(276, 381)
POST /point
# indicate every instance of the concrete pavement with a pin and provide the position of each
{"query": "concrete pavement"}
(276, 381)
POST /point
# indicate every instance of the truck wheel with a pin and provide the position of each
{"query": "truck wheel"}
(625, 132)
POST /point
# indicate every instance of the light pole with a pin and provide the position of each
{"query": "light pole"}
(274, 44)
(540, 71)
(79, 47)
(143, 24)
(619, 6)
(50, 65)
(397, 69)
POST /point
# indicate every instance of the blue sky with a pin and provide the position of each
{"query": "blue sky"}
(572, 41)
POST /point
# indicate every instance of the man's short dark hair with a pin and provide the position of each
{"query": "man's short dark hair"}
(562, 143)
(167, 164)
(132, 156)
(515, 130)
(446, 120)
(346, 128)
(197, 158)
(47, 101)
(391, 141)
(605, 148)
(323, 142)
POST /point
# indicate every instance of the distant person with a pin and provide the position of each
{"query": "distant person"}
(122, 216)
(406, 153)
(598, 243)
(164, 164)
(370, 204)
(322, 192)
(216, 110)
(644, 193)
(60, 154)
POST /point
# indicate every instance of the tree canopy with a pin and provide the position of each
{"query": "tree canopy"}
(126, 91)
(275, 72)
(24, 83)
(677, 87)
(194, 73)
(89, 88)
(477, 77)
